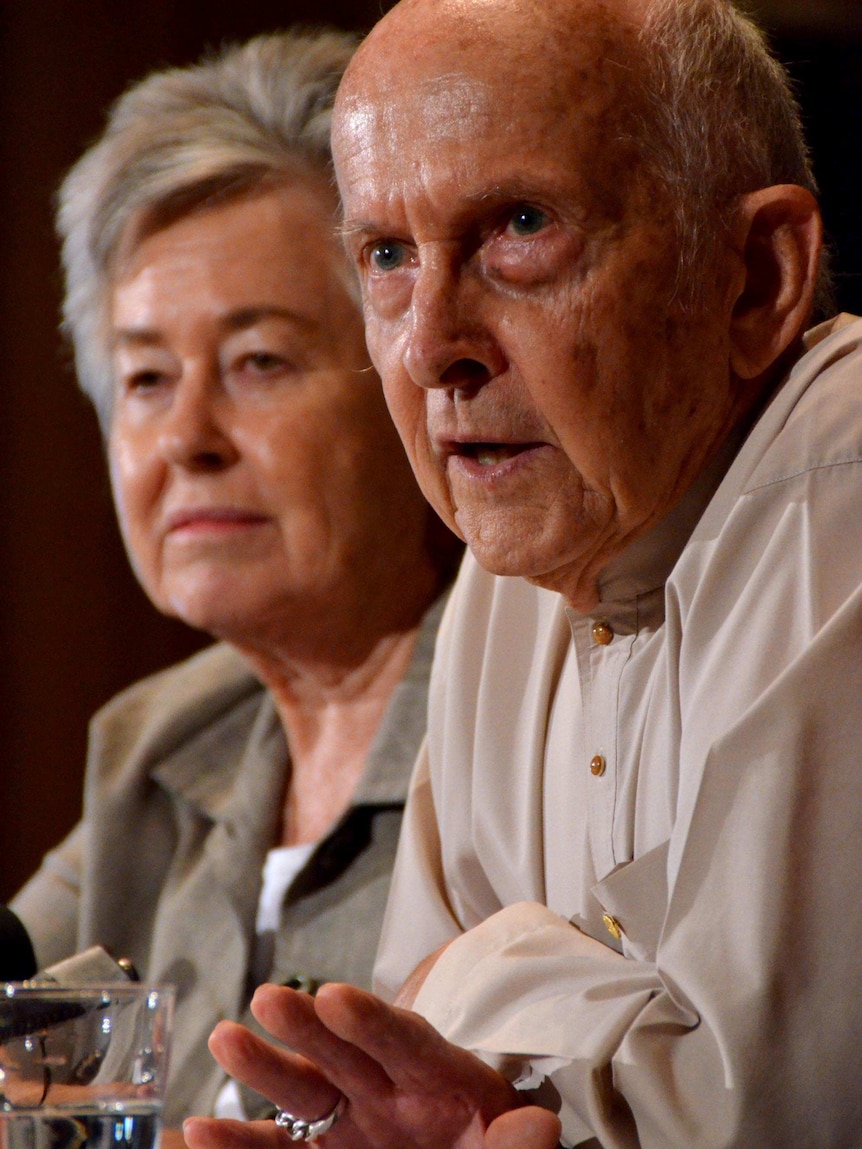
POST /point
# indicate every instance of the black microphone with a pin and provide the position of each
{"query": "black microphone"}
(89, 967)
(17, 960)
(92, 967)
(56, 1020)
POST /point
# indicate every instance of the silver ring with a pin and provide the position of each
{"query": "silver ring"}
(301, 1130)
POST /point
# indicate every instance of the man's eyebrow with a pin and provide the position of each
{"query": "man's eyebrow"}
(506, 191)
(348, 228)
(513, 188)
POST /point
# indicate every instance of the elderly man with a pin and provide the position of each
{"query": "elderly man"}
(589, 250)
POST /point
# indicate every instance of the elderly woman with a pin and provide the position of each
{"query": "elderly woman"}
(241, 809)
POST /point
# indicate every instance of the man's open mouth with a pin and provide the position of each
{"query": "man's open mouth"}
(492, 454)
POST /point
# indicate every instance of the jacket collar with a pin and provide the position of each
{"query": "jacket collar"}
(395, 748)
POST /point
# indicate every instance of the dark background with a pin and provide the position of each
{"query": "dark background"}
(74, 628)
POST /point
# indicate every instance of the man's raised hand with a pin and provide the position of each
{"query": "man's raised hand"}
(406, 1086)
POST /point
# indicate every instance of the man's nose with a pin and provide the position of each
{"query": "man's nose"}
(196, 431)
(448, 344)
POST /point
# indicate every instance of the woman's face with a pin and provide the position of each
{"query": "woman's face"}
(258, 478)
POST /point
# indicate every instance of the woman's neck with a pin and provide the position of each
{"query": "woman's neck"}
(331, 710)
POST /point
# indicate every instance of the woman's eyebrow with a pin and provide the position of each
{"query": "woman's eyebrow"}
(243, 317)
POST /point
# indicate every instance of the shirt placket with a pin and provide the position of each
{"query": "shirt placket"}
(603, 644)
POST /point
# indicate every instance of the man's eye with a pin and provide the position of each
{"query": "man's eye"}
(527, 220)
(386, 256)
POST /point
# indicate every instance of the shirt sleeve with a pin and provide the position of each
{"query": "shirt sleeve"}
(49, 903)
(418, 884)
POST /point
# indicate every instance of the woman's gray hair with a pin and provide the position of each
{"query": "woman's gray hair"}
(719, 119)
(180, 138)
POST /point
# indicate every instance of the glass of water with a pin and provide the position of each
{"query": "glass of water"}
(83, 1067)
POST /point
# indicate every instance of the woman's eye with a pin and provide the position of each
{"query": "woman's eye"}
(386, 256)
(143, 380)
(264, 361)
(527, 220)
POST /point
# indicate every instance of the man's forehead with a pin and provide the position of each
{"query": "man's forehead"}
(478, 56)
(452, 113)
(437, 104)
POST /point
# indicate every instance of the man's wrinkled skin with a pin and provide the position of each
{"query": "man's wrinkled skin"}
(555, 399)
(518, 276)
(391, 1065)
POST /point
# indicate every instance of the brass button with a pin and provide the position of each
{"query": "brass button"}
(597, 766)
(602, 633)
(612, 926)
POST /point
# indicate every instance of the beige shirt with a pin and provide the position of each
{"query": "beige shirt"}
(685, 764)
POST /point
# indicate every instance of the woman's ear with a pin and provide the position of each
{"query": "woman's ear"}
(778, 234)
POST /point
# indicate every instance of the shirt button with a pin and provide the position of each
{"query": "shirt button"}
(612, 926)
(602, 633)
(597, 766)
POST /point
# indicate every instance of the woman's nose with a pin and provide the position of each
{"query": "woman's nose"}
(447, 343)
(196, 431)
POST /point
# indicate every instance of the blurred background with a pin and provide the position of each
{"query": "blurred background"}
(74, 628)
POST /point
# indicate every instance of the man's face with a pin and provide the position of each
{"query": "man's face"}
(518, 280)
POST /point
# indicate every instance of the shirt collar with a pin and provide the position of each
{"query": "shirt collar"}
(646, 564)
(246, 728)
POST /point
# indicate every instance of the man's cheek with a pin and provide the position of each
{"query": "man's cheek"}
(379, 348)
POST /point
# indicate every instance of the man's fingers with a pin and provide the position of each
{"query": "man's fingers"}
(529, 1128)
(285, 1013)
(401, 1042)
(286, 1078)
(406, 1086)
(434, 1095)
(411, 1052)
(292, 1018)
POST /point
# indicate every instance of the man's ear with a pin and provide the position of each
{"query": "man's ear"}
(778, 234)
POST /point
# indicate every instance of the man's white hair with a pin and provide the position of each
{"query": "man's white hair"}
(179, 138)
(719, 119)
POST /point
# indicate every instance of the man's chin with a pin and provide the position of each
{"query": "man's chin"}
(572, 579)
(513, 561)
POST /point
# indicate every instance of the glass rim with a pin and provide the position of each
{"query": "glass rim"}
(9, 990)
